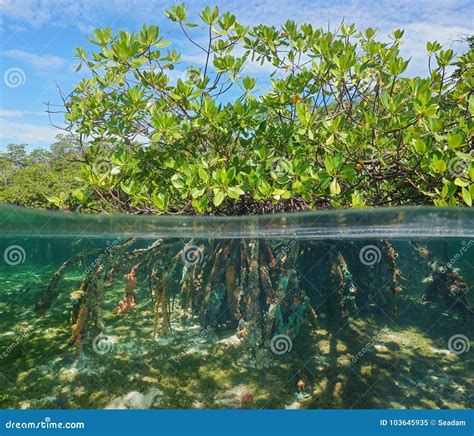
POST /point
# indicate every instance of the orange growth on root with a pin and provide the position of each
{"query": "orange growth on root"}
(130, 299)
(124, 305)
(78, 327)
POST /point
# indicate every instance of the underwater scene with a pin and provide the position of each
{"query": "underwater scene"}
(324, 310)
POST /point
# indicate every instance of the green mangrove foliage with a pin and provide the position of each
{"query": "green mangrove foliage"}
(334, 122)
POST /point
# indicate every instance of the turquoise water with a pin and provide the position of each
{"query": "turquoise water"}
(346, 309)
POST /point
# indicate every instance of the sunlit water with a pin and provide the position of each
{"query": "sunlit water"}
(368, 309)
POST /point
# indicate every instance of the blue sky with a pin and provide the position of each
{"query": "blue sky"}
(38, 38)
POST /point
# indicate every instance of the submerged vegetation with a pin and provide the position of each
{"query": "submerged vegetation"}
(337, 336)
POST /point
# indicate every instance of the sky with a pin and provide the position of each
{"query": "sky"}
(37, 40)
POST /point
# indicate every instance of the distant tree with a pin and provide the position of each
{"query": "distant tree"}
(16, 154)
(66, 148)
(40, 178)
(470, 41)
(6, 170)
(39, 155)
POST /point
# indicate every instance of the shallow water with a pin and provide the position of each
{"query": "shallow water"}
(360, 309)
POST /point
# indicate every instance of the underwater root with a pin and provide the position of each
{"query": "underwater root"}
(445, 284)
(253, 285)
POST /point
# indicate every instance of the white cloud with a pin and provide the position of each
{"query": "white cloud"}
(13, 113)
(40, 62)
(84, 14)
(26, 11)
(13, 131)
(416, 36)
(319, 12)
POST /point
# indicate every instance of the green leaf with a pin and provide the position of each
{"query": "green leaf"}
(334, 187)
(137, 62)
(264, 188)
(160, 200)
(128, 188)
(196, 193)
(177, 12)
(466, 197)
(439, 165)
(230, 175)
(235, 192)
(177, 182)
(454, 140)
(357, 200)
(304, 115)
(200, 204)
(460, 182)
(249, 83)
(219, 197)
(162, 44)
(203, 174)
(420, 146)
(471, 104)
